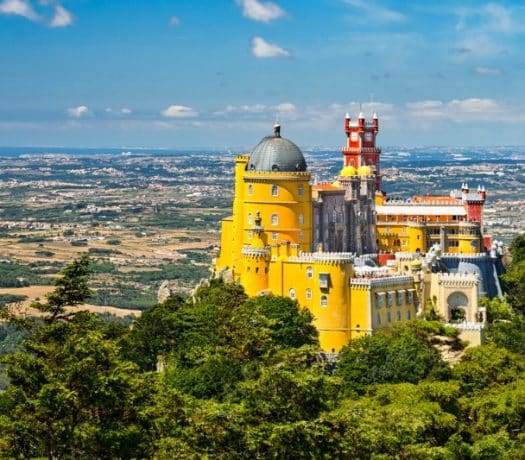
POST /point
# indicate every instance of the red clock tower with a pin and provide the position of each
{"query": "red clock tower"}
(360, 149)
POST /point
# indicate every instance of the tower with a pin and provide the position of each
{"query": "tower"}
(272, 186)
(360, 149)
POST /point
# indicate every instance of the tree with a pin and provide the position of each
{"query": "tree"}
(155, 333)
(509, 334)
(293, 325)
(497, 309)
(486, 365)
(514, 278)
(392, 356)
(71, 395)
(71, 288)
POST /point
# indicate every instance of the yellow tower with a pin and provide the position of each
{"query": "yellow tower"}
(272, 184)
(256, 260)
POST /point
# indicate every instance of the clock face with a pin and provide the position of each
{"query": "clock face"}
(353, 137)
(368, 136)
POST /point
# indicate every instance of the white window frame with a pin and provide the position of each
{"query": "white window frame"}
(324, 301)
(275, 190)
(275, 219)
(309, 272)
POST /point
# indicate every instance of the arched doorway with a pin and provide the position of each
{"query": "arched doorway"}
(457, 303)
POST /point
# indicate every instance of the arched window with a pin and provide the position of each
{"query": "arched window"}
(291, 293)
(275, 190)
(300, 190)
(309, 272)
(308, 294)
(301, 236)
(250, 189)
(275, 235)
(250, 218)
(300, 218)
(324, 301)
(275, 219)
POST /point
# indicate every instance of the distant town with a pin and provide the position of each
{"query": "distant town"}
(146, 218)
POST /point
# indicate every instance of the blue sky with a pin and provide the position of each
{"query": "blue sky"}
(217, 73)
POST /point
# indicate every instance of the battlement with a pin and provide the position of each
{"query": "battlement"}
(361, 150)
(381, 281)
(280, 175)
(324, 257)
(242, 158)
(466, 257)
(468, 326)
(421, 202)
(458, 279)
(255, 252)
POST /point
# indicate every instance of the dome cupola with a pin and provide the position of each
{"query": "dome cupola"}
(276, 154)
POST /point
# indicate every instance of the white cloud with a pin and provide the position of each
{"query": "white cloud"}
(174, 21)
(457, 110)
(285, 107)
(18, 8)
(474, 105)
(125, 111)
(261, 11)
(62, 17)
(179, 111)
(482, 70)
(375, 12)
(262, 49)
(424, 105)
(78, 112)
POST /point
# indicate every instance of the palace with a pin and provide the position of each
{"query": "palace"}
(355, 259)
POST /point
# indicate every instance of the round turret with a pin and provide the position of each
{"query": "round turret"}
(275, 153)
(348, 171)
(416, 263)
(365, 170)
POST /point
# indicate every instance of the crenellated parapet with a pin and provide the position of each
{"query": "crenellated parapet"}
(255, 252)
(467, 257)
(458, 279)
(324, 257)
(381, 282)
(270, 177)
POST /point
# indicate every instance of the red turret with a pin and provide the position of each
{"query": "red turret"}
(473, 202)
(360, 146)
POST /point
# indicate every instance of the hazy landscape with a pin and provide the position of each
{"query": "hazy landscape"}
(149, 216)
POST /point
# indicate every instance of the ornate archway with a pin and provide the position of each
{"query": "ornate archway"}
(457, 304)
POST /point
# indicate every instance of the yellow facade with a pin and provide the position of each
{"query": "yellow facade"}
(266, 246)
(408, 236)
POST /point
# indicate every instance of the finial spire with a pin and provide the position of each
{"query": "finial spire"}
(277, 129)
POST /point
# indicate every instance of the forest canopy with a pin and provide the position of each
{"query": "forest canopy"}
(245, 378)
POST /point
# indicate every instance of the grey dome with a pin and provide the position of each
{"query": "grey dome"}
(275, 153)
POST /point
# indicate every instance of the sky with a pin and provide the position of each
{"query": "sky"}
(218, 73)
